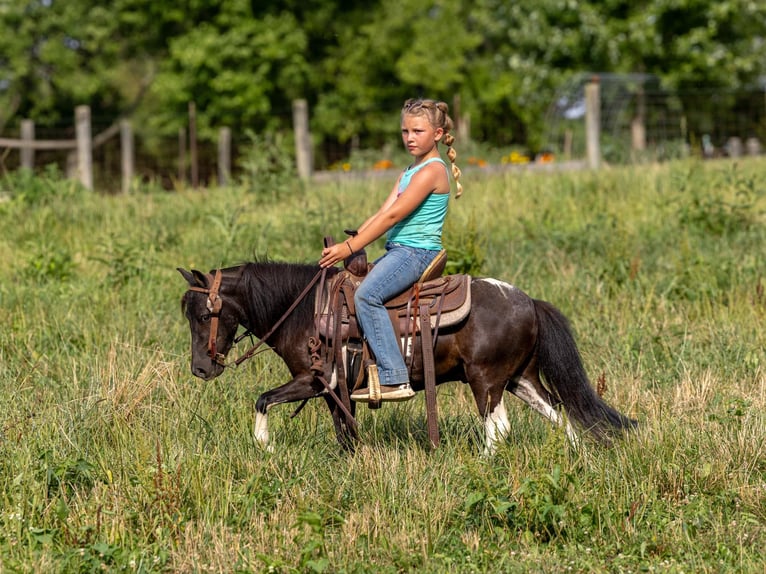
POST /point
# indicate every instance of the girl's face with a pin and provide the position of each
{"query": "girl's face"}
(418, 135)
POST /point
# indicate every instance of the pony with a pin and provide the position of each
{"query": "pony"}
(508, 341)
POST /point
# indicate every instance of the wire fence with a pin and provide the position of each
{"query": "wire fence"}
(641, 122)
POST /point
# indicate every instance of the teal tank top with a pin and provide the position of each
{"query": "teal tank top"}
(423, 227)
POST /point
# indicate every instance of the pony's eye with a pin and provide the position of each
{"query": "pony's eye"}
(204, 318)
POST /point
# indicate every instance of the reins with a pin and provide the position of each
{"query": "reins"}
(250, 352)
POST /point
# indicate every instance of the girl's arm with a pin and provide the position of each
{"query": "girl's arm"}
(429, 179)
(386, 204)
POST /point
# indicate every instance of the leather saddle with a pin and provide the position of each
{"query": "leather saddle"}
(448, 299)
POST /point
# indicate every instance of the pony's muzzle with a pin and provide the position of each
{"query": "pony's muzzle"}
(206, 370)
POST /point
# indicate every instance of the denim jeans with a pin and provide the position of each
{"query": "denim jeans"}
(394, 272)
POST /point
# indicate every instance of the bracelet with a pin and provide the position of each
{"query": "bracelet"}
(350, 250)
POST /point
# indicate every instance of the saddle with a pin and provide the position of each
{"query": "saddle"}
(447, 298)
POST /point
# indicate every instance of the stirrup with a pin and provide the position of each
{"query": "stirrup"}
(373, 386)
(371, 394)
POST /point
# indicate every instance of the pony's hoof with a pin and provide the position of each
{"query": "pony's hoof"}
(265, 447)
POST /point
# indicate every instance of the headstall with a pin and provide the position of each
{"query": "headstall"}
(213, 304)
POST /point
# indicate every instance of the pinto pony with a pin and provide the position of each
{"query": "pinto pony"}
(508, 342)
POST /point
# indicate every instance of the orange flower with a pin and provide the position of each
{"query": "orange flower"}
(477, 161)
(546, 158)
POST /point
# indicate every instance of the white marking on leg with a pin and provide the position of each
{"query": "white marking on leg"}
(496, 427)
(261, 431)
(526, 391)
(408, 348)
(334, 374)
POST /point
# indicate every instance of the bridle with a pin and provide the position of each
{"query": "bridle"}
(215, 303)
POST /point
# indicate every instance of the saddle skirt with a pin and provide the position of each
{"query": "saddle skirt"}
(448, 299)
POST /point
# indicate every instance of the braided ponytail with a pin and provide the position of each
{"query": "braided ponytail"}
(438, 115)
(448, 140)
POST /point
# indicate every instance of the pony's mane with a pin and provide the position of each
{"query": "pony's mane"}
(273, 286)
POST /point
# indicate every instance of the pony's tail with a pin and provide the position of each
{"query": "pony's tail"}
(561, 366)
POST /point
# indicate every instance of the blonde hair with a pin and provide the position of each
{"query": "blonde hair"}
(438, 115)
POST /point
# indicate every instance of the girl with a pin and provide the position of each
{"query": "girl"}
(412, 216)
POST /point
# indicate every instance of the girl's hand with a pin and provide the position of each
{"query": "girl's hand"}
(331, 255)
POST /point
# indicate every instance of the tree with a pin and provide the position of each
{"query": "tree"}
(237, 68)
(243, 61)
(392, 51)
(687, 43)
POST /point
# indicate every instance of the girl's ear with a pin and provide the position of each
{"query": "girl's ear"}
(438, 133)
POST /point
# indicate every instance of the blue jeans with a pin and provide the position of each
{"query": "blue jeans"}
(394, 272)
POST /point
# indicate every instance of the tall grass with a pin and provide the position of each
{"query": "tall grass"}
(114, 458)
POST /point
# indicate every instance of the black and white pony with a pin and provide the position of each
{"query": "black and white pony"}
(508, 342)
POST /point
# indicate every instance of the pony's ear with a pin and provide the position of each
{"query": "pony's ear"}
(194, 278)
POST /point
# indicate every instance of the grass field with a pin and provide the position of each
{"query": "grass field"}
(114, 458)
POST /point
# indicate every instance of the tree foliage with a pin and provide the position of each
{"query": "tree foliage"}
(243, 61)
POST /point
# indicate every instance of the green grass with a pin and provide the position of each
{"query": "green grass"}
(114, 458)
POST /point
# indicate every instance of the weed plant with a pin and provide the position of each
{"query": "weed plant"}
(114, 458)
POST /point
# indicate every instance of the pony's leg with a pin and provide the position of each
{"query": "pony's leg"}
(529, 389)
(345, 434)
(301, 387)
(261, 431)
(496, 427)
(489, 401)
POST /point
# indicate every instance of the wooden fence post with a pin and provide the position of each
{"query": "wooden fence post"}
(224, 156)
(193, 144)
(84, 146)
(568, 138)
(302, 138)
(638, 123)
(462, 121)
(27, 136)
(182, 156)
(127, 152)
(593, 123)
